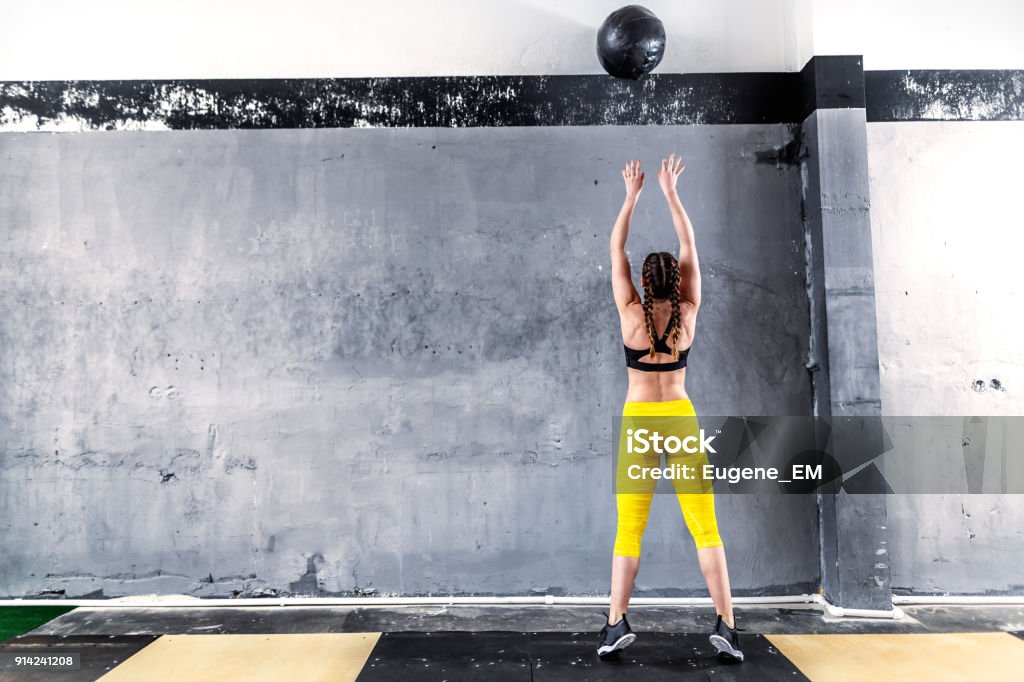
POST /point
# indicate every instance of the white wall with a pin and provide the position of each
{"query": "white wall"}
(922, 34)
(947, 234)
(122, 39)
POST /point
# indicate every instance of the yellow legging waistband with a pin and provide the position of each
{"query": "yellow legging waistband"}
(664, 408)
(696, 500)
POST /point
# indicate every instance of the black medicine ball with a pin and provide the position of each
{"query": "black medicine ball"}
(631, 42)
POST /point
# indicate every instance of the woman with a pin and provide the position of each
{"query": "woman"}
(657, 332)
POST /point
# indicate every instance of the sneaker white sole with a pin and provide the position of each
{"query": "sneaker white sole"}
(723, 647)
(622, 643)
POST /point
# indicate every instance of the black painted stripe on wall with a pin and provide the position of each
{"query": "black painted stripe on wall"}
(670, 99)
(470, 101)
(832, 82)
(945, 95)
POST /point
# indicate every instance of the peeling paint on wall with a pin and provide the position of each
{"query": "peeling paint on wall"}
(467, 101)
(492, 101)
(945, 95)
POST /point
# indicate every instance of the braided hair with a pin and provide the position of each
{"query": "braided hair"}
(661, 281)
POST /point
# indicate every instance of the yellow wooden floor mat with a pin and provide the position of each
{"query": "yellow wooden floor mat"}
(906, 657)
(254, 658)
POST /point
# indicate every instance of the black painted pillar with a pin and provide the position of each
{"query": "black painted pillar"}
(843, 363)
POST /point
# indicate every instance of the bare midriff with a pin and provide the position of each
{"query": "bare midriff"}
(656, 387)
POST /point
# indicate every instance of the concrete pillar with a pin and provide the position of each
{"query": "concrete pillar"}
(843, 362)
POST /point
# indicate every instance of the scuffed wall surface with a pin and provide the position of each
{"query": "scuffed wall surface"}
(947, 95)
(445, 102)
(370, 361)
(946, 248)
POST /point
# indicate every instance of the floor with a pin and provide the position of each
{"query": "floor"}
(516, 643)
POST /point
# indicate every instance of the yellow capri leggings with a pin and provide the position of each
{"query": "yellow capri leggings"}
(696, 499)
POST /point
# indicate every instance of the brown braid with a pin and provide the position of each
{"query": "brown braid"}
(661, 281)
(674, 296)
(648, 277)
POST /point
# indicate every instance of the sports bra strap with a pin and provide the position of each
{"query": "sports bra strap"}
(668, 328)
(634, 355)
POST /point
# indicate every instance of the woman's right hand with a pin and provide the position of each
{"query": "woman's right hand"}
(634, 178)
(670, 170)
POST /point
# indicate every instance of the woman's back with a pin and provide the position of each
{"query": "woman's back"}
(651, 383)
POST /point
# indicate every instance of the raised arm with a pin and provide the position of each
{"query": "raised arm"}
(689, 271)
(622, 281)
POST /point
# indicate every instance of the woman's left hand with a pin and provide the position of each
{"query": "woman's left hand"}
(634, 178)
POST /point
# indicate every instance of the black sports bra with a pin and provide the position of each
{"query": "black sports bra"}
(633, 356)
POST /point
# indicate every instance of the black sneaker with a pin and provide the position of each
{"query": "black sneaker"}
(726, 641)
(615, 637)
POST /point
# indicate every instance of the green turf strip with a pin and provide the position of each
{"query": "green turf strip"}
(17, 620)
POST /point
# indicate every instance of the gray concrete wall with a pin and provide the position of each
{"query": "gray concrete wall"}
(351, 361)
